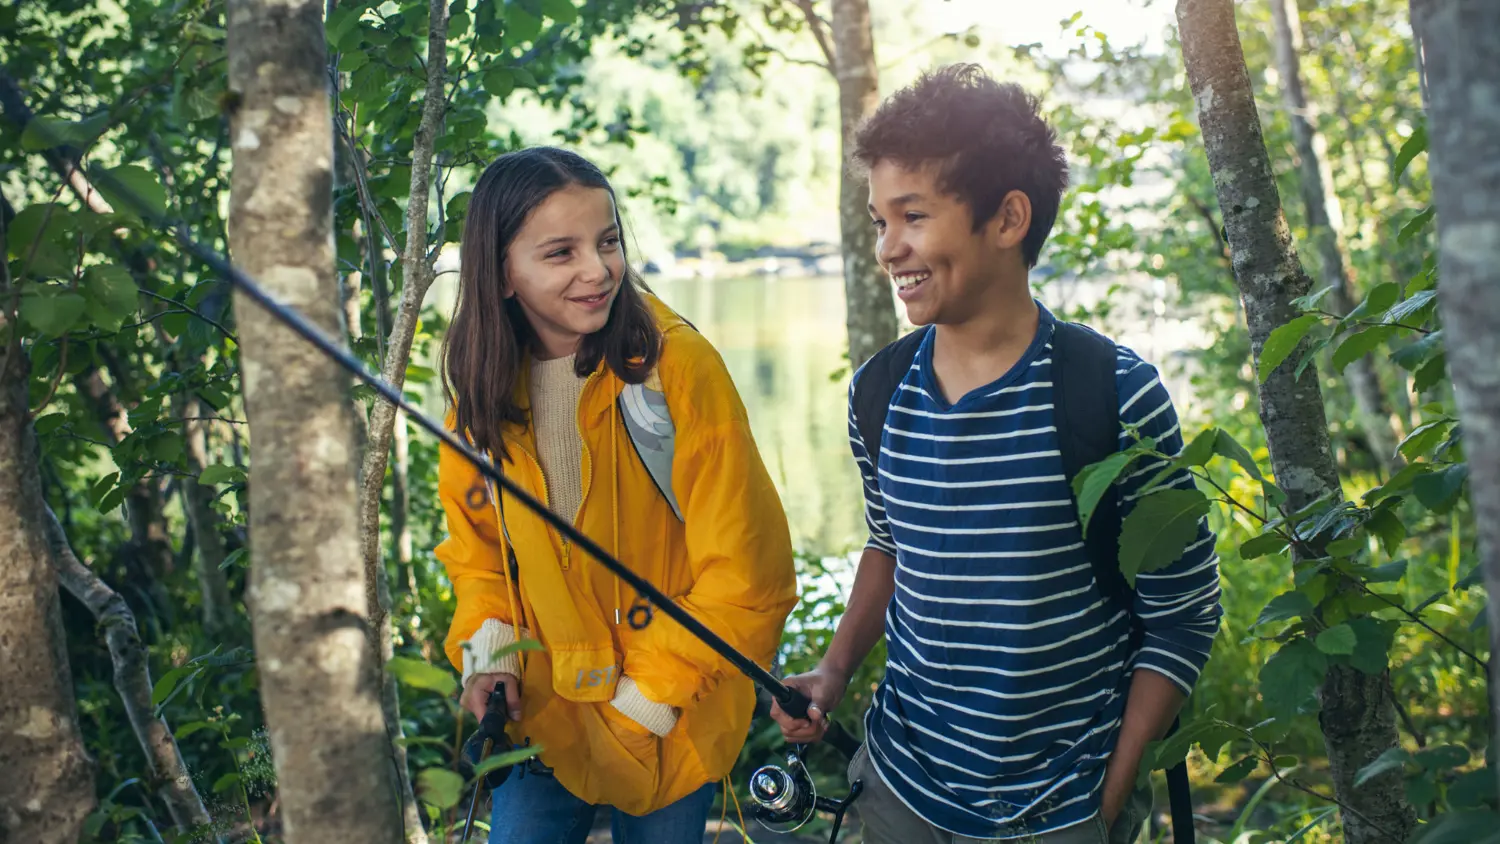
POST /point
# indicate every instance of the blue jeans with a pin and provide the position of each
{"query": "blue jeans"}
(535, 809)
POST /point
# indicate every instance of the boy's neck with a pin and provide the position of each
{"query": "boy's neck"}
(982, 348)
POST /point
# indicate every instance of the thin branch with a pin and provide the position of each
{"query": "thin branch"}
(1411, 726)
(1416, 619)
(190, 311)
(1270, 759)
(819, 31)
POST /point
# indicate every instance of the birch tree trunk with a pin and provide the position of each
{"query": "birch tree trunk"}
(319, 678)
(1461, 40)
(47, 789)
(1357, 719)
(1325, 223)
(870, 315)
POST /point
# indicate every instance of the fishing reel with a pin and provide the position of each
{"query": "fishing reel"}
(491, 740)
(783, 798)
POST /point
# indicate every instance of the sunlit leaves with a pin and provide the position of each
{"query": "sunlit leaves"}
(1414, 146)
(422, 675)
(1283, 341)
(1438, 491)
(133, 190)
(439, 787)
(1336, 640)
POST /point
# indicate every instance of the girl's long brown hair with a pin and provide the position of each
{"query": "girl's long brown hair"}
(486, 344)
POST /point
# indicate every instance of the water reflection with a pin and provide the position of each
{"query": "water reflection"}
(782, 340)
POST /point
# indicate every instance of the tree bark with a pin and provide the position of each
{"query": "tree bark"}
(197, 501)
(112, 616)
(319, 681)
(1357, 719)
(870, 315)
(1461, 39)
(417, 274)
(48, 787)
(1325, 223)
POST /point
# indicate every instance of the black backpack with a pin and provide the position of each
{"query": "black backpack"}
(1086, 408)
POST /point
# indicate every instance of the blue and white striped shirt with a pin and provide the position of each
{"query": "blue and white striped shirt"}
(1007, 670)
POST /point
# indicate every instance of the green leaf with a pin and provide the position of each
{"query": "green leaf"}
(1283, 341)
(143, 193)
(562, 11)
(1414, 146)
(1160, 527)
(1291, 676)
(499, 82)
(229, 781)
(220, 473)
(1421, 790)
(1389, 527)
(1338, 640)
(233, 557)
(1239, 770)
(1095, 480)
(1472, 789)
(45, 132)
(167, 448)
(521, 27)
(111, 500)
(1311, 300)
(1389, 573)
(1227, 446)
(352, 61)
(188, 729)
(169, 682)
(102, 486)
(111, 295)
(440, 787)
(1379, 300)
(49, 423)
(1394, 759)
(52, 310)
(516, 647)
(1311, 825)
(1284, 607)
(1345, 547)
(1199, 451)
(1361, 344)
(421, 675)
(1416, 224)
(1424, 439)
(1266, 543)
(1442, 758)
(237, 743)
(1373, 640)
(1431, 374)
(505, 760)
(1413, 355)
(342, 28)
(1418, 302)
(1439, 490)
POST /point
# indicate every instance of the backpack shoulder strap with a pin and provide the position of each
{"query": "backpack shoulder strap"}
(1086, 408)
(875, 386)
(648, 422)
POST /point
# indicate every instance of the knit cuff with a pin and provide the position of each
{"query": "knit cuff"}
(659, 718)
(479, 656)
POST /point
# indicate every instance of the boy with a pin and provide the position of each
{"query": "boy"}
(1015, 705)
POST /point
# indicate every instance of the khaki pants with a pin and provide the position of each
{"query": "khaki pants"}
(886, 819)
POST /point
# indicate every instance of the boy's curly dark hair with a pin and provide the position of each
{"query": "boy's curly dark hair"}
(986, 138)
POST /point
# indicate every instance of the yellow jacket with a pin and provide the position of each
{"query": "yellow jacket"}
(728, 562)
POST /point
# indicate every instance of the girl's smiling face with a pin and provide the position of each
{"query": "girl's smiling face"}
(565, 266)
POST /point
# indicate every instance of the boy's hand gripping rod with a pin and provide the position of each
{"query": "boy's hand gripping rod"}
(792, 701)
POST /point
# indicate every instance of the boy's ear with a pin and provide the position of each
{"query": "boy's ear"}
(1011, 222)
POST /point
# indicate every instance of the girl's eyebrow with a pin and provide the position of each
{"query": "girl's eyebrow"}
(561, 240)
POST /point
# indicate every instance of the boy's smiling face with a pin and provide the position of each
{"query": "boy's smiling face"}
(927, 242)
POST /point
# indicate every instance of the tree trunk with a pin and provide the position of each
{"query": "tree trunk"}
(319, 681)
(112, 616)
(1357, 718)
(1325, 223)
(400, 496)
(1462, 38)
(48, 787)
(870, 316)
(197, 502)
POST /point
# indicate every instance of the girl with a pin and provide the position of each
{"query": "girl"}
(550, 327)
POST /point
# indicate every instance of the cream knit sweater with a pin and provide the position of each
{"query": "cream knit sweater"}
(554, 390)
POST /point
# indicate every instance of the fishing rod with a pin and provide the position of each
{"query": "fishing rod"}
(783, 795)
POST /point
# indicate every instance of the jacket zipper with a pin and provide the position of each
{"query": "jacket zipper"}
(588, 460)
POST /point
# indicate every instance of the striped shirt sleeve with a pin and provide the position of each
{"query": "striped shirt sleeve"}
(1178, 604)
(880, 529)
